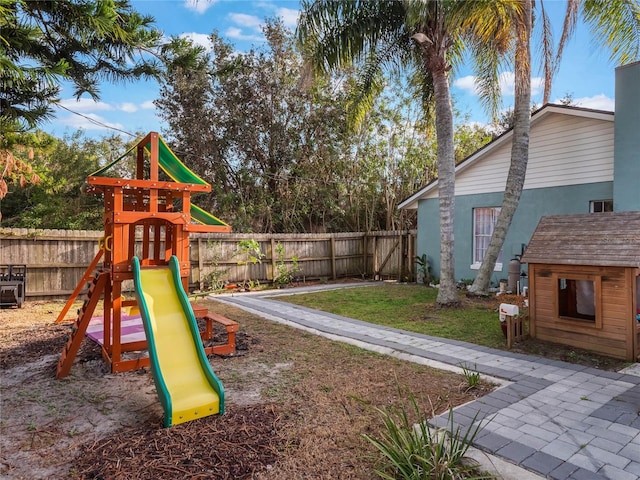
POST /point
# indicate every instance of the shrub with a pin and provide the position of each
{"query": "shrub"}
(423, 452)
(424, 269)
(250, 254)
(284, 274)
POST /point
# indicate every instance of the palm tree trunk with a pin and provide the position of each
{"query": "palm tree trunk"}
(447, 294)
(519, 151)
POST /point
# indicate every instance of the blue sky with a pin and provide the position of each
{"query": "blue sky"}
(585, 72)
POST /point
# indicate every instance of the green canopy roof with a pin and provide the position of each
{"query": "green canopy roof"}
(168, 162)
(176, 170)
(204, 217)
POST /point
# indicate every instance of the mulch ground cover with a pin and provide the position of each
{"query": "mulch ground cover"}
(297, 406)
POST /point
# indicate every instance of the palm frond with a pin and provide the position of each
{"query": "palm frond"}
(615, 24)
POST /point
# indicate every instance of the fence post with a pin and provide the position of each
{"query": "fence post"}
(410, 256)
(365, 265)
(376, 266)
(333, 257)
(273, 260)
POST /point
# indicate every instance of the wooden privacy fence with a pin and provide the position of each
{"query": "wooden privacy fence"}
(56, 259)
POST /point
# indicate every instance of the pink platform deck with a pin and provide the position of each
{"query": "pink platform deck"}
(131, 329)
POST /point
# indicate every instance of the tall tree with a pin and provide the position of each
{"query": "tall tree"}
(617, 25)
(430, 39)
(81, 41)
(274, 145)
(519, 148)
(62, 165)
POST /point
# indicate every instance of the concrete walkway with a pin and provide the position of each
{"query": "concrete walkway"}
(556, 419)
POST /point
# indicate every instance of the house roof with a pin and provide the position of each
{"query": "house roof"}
(538, 116)
(594, 239)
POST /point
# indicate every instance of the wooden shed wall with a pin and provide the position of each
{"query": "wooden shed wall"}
(618, 333)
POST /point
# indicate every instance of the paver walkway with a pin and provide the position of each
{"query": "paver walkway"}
(559, 420)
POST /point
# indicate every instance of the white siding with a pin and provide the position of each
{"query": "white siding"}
(568, 150)
(563, 150)
(487, 175)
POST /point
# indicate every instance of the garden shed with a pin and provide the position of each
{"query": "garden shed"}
(584, 282)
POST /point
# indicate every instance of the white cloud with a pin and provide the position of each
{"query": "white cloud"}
(468, 84)
(233, 32)
(128, 107)
(85, 105)
(289, 16)
(242, 19)
(254, 23)
(85, 122)
(199, 6)
(506, 81)
(537, 85)
(597, 102)
(148, 105)
(198, 39)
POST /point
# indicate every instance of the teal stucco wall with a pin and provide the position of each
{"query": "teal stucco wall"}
(626, 165)
(533, 205)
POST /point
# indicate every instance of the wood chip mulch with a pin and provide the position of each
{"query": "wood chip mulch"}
(233, 446)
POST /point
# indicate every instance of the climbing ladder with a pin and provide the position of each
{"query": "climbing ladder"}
(79, 327)
(86, 277)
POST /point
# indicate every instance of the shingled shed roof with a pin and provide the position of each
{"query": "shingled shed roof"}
(598, 239)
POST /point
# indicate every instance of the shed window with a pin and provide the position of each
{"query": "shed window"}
(484, 221)
(598, 206)
(577, 299)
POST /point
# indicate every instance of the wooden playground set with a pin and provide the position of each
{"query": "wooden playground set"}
(158, 211)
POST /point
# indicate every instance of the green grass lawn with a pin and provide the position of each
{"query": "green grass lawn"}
(410, 307)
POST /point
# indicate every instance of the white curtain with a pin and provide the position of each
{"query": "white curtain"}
(484, 221)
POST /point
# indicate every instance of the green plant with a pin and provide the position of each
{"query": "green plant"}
(215, 279)
(250, 253)
(285, 274)
(422, 452)
(463, 283)
(472, 377)
(424, 268)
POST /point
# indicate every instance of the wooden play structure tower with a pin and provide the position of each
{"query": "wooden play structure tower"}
(159, 212)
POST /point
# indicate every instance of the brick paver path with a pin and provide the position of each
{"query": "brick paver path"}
(559, 420)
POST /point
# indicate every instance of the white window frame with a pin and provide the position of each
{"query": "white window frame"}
(603, 203)
(486, 235)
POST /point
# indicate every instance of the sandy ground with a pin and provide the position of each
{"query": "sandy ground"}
(297, 407)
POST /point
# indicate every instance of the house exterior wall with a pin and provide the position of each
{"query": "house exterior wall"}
(534, 204)
(626, 188)
(584, 145)
(613, 336)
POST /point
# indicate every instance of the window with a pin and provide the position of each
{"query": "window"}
(577, 299)
(484, 220)
(598, 206)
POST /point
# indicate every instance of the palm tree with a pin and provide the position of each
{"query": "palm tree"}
(615, 24)
(427, 39)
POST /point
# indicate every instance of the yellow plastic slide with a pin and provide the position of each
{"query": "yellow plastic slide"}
(186, 384)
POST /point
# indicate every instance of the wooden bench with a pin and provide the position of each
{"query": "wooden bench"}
(231, 327)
